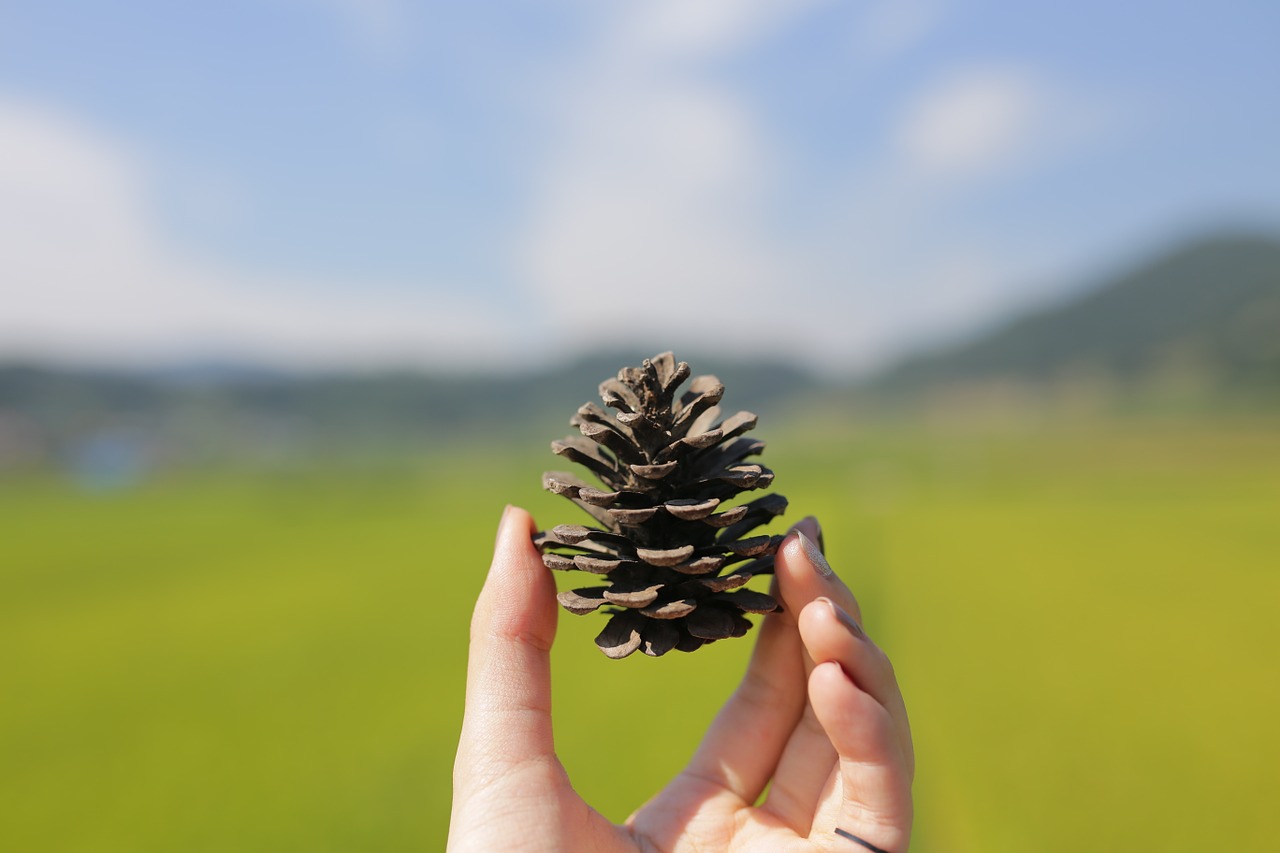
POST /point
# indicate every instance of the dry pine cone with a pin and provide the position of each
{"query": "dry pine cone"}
(673, 556)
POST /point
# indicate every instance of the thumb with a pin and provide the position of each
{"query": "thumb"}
(507, 720)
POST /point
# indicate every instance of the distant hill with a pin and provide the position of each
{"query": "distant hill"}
(1199, 324)
(1206, 315)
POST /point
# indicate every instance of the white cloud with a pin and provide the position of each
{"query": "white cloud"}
(87, 274)
(654, 222)
(703, 29)
(973, 120)
(648, 220)
(992, 121)
(654, 195)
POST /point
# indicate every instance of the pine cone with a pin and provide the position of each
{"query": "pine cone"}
(674, 567)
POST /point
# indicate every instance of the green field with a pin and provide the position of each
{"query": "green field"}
(1083, 618)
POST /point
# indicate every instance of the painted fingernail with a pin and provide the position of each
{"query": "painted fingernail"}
(822, 545)
(843, 618)
(819, 562)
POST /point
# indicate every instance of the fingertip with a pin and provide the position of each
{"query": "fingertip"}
(519, 593)
(513, 544)
(800, 553)
(810, 527)
(858, 726)
(794, 577)
(812, 621)
(829, 680)
(838, 701)
(515, 522)
(804, 573)
(834, 697)
(835, 700)
(790, 549)
(824, 625)
(790, 557)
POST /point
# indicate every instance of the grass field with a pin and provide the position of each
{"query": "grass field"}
(1083, 619)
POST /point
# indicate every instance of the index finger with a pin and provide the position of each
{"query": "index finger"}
(507, 721)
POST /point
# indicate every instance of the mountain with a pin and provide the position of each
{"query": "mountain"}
(1205, 315)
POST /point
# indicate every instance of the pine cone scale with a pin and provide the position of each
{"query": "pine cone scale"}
(659, 638)
(710, 623)
(671, 609)
(671, 557)
(717, 584)
(691, 509)
(621, 636)
(582, 600)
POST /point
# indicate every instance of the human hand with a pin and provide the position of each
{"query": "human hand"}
(818, 718)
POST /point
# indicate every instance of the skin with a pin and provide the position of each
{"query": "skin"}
(819, 704)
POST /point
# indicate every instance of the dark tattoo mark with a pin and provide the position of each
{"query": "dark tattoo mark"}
(857, 840)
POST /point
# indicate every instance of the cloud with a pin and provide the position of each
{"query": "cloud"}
(906, 246)
(664, 209)
(988, 121)
(653, 196)
(648, 220)
(702, 29)
(971, 121)
(655, 221)
(89, 275)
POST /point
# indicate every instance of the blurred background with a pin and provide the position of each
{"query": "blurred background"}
(294, 293)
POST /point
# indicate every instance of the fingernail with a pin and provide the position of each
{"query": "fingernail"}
(843, 618)
(816, 559)
(822, 545)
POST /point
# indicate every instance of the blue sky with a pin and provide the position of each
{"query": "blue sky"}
(322, 183)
